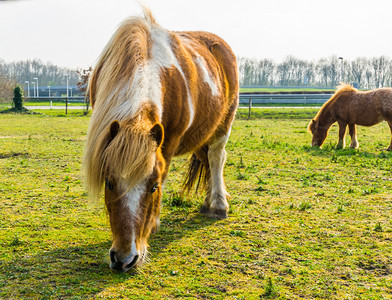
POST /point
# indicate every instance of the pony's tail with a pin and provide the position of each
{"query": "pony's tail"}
(198, 171)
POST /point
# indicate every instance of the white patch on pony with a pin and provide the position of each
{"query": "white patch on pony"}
(163, 57)
(125, 100)
(133, 248)
(144, 86)
(206, 76)
(134, 196)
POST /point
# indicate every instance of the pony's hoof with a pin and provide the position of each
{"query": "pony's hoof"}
(214, 213)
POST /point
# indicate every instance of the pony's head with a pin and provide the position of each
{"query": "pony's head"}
(319, 126)
(319, 133)
(123, 148)
(130, 164)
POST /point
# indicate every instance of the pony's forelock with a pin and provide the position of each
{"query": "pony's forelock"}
(128, 157)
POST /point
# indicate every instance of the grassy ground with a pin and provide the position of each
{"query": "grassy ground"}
(304, 222)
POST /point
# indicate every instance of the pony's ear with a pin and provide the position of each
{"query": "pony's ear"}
(114, 128)
(315, 124)
(310, 126)
(157, 133)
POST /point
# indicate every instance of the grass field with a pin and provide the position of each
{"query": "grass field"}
(304, 223)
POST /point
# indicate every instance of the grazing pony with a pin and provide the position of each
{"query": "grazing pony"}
(348, 106)
(157, 94)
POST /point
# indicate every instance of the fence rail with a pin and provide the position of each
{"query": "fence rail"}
(244, 98)
(55, 98)
(283, 98)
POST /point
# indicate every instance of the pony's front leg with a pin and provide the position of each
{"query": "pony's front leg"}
(353, 133)
(342, 133)
(215, 204)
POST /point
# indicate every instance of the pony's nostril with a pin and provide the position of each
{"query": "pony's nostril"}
(113, 257)
(132, 263)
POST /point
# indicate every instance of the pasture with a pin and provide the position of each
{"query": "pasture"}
(303, 222)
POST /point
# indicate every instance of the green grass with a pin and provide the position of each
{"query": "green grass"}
(303, 223)
(277, 113)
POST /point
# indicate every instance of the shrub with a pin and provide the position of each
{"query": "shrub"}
(18, 98)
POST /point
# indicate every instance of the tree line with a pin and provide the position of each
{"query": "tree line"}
(47, 73)
(366, 73)
(18, 72)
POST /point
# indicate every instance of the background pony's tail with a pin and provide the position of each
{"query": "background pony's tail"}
(198, 171)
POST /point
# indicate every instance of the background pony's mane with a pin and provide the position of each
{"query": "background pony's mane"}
(340, 90)
(119, 91)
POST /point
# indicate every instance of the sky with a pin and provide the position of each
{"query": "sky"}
(73, 33)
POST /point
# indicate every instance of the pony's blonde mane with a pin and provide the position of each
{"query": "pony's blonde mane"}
(342, 89)
(130, 154)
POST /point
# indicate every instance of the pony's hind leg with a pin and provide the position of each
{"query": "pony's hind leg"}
(215, 203)
(353, 133)
(342, 133)
(390, 127)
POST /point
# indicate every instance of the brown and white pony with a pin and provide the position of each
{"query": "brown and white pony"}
(157, 94)
(348, 106)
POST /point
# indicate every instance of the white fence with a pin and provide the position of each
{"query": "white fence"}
(246, 98)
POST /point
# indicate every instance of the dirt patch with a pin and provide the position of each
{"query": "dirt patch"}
(13, 154)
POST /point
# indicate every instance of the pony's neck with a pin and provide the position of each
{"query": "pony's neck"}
(325, 118)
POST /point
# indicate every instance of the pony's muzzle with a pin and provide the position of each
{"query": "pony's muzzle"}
(315, 145)
(122, 266)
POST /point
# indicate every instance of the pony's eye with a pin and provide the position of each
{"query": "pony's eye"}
(154, 188)
(109, 184)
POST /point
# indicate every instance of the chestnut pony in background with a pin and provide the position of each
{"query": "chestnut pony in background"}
(157, 94)
(348, 106)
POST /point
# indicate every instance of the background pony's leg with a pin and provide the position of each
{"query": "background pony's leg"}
(215, 203)
(342, 133)
(353, 133)
(390, 127)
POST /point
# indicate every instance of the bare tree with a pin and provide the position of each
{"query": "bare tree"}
(367, 73)
(82, 85)
(380, 70)
(7, 86)
(47, 73)
(357, 67)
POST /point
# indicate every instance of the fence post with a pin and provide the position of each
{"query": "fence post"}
(250, 107)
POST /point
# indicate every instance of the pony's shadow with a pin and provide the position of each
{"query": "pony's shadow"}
(331, 151)
(71, 268)
(175, 226)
